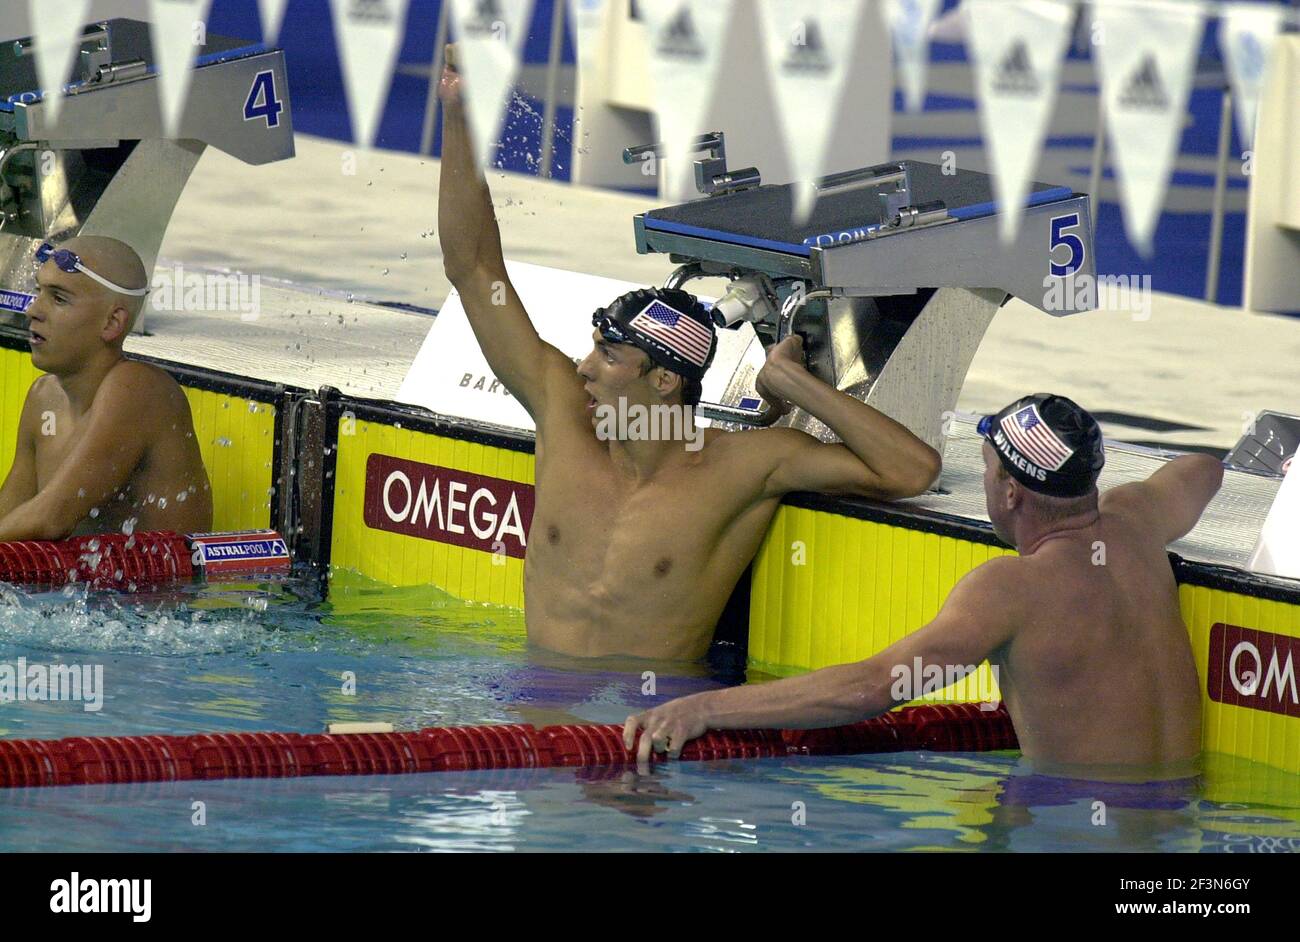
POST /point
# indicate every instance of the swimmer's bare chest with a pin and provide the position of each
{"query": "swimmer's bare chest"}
(645, 569)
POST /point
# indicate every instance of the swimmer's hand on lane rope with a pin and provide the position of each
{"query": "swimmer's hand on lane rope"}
(772, 380)
(668, 728)
(449, 84)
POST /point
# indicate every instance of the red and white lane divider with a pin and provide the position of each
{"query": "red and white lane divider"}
(208, 756)
(141, 561)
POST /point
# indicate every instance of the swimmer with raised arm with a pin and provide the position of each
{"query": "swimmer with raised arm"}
(105, 444)
(1094, 662)
(636, 543)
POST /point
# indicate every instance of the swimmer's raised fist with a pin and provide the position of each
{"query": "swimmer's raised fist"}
(449, 84)
(784, 360)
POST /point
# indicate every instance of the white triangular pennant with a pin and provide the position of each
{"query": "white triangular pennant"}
(369, 38)
(272, 14)
(587, 16)
(176, 28)
(1246, 34)
(909, 24)
(56, 29)
(807, 43)
(1147, 64)
(686, 40)
(1017, 46)
(489, 40)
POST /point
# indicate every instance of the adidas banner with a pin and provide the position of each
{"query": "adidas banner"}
(807, 44)
(56, 30)
(1017, 46)
(686, 40)
(177, 29)
(1146, 51)
(1246, 34)
(489, 40)
(272, 15)
(909, 25)
(369, 36)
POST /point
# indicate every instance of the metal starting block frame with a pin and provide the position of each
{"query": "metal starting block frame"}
(106, 167)
(892, 281)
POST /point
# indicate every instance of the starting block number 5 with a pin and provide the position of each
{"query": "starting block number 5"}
(1062, 236)
(270, 106)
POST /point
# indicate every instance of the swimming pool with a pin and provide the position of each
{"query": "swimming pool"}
(272, 656)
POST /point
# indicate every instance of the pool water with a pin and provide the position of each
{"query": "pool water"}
(272, 656)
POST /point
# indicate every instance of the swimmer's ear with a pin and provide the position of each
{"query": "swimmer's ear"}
(665, 381)
(117, 324)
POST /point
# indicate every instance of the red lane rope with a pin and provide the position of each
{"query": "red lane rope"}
(141, 561)
(106, 560)
(207, 756)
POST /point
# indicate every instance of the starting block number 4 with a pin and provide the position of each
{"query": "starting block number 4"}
(270, 106)
(1062, 236)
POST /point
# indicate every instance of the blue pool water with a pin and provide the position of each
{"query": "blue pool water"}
(271, 657)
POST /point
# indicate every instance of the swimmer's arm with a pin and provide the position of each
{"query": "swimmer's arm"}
(20, 484)
(878, 458)
(473, 261)
(116, 439)
(1171, 500)
(973, 624)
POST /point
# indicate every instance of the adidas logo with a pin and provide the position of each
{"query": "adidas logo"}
(1144, 89)
(1015, 74)
(809, 55)
(679, 39)
(370, 11)
(487, 19)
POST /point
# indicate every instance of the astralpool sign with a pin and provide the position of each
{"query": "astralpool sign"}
(448, 506)
(14, 301)
(255, 551)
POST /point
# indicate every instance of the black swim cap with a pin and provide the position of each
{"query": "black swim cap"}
(671, 326)
(1047, 443)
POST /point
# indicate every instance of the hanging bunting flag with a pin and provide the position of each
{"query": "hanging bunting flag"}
(1146, 53)
(807, 43)
(1017, 46)
(1246, 34)
(272, 14)
(587, 16)
(489, 41)
(686, 40)
(909, 24)
(56, 31)
(369, 38)
(178, 28)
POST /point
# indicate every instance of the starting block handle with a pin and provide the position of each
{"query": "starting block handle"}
(755, 418)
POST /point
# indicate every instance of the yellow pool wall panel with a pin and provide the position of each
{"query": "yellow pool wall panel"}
(400, 560)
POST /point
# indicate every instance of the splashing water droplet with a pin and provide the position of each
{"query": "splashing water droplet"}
(180, 498)
(162, 503)
(94, 512)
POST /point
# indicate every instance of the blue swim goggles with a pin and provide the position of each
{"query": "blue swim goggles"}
(68, 261)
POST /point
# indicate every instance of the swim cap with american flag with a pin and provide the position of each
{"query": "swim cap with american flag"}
(670, 325)
(1047, 443)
